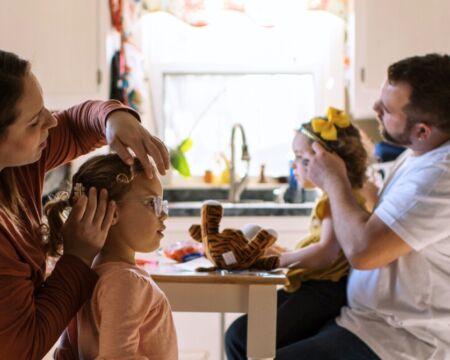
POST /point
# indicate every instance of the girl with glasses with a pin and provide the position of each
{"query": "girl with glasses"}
(128, 315)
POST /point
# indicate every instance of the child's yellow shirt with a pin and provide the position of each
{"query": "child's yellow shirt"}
(335, 271)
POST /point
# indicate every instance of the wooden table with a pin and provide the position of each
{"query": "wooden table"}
(251, 292)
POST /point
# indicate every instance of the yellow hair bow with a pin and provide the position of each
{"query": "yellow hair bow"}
(327, 128)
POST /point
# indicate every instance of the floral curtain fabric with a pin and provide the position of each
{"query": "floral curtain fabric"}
(127, 77)
(200, 12)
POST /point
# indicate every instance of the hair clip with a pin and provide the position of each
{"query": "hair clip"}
(78, 190)
(122, 178)
(309, 134)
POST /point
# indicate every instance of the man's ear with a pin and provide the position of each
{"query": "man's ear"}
(422, 131)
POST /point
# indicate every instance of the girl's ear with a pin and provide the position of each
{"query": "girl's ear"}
(115, 219)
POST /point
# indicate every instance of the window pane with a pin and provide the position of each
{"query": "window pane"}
(269, 106)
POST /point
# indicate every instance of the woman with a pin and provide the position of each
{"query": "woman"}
(33, 310)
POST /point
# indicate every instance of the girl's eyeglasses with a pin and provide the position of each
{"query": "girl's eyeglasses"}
(158, 204)
(155, 203)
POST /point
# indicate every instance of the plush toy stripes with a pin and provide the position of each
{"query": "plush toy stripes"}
(231, 248)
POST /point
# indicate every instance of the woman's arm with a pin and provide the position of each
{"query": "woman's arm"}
(33, 313)
(92, 124)
(80, 129)
(32, 319)
(317, 255)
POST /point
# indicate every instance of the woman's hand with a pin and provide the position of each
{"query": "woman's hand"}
(84, 232)
(123, 131)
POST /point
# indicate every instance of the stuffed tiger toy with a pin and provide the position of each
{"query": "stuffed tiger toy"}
(231, 249)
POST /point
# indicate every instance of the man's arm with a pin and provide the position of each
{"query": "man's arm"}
(366, 241)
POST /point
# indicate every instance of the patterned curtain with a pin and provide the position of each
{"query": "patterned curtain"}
(336, 7)
(128, 74)
(200, 12)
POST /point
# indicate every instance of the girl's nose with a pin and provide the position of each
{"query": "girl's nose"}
(163, 216)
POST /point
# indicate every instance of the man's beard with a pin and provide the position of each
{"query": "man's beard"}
(401, 139)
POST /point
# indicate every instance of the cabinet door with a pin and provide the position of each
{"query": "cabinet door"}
(63, 41)
(384, 31)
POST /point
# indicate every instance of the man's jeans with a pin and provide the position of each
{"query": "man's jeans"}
(332, 342)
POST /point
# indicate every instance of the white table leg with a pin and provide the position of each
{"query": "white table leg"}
(222, 336)
(262, 321)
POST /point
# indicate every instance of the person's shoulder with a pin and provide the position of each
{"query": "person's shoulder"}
(434, 162)
(29, 180)
(322, 197)
(121, 270)
(321, 208)
(120, 276)
(440, 154)
(359, 196)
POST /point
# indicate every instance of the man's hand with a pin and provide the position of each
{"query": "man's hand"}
(324, 168)
(123, 131)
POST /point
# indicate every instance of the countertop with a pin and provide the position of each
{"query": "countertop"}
(263, 208)
(259, 201)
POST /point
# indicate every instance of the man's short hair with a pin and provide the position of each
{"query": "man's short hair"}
(429, 78)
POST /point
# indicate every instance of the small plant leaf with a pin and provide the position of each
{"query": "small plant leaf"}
(185, 145)
(179, 162)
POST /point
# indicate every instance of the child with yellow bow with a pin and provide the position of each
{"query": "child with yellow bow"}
(317, 275)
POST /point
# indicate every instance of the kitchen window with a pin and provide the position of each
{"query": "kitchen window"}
(205, 107)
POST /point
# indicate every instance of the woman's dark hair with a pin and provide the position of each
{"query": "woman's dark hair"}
(101, 172)
(13, 71)
(429, 78)
(349, 147)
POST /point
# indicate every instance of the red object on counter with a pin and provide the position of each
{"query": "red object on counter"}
(183, 251)
(141, 262)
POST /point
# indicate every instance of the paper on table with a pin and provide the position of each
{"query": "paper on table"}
(194, 264)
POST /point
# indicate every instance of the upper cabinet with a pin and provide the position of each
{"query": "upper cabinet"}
(384, 31)
(66, 44)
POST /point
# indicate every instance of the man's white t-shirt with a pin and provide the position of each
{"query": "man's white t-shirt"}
(402, 311)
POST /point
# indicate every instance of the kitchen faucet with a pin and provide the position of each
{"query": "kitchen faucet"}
(237, 187)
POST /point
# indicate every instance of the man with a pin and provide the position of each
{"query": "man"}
(399, 290)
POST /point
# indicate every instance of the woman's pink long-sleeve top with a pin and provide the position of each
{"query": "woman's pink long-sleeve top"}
(33, 310)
